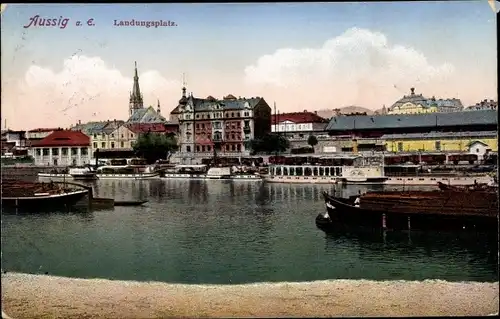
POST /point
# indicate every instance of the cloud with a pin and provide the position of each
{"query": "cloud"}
(85, 89)
(357, 67)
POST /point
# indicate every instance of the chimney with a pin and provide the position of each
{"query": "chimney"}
(316, 112)
(79, 121)
(305, 111)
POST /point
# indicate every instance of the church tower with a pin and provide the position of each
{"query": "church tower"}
(135, 101)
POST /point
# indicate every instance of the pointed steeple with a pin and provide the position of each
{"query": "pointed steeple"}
(158, 110)
(136, 101)
(183, 100)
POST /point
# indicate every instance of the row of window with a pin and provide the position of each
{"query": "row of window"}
(208, 148)
(219, 115)
(437, 146)
(112, 135)
(112, 144)
(217, 125)
(64, 151)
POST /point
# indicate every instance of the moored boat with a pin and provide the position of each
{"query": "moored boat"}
(417, 210)
(83, 173)
(39, 196)
(126, 172)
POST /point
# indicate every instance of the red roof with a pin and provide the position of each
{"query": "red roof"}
(152, 127)
(64, 138)
(298, 117)
(44, 129)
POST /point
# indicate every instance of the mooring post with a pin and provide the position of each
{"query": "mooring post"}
(384, 225)
(91, 196)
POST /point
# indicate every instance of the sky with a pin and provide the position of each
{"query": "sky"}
(297, 55)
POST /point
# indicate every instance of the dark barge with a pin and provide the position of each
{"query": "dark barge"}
(31, 196)
(448, 210)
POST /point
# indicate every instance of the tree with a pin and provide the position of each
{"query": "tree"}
(153, 146)
(269, 143)
(312, 140)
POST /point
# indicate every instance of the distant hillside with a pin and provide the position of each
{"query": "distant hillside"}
(328, 113)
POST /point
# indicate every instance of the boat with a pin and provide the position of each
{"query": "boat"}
(204, 172)
(39, 196)
(83, 173)
(473, 187)
(126, 172)
(130, 202)
(417, 210)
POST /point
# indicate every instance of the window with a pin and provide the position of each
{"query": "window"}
(477, 150)
(227, 114)
(84, 150)
(203, 148)
(122, 144)
(45, 152)
(197, 148)
(74, 151)
(131, 143)
(438, 145)
(131, 135)
(232, 114)
(112, 135)
(55, 151)
(65, 150)
(208, 148)
(232, 136)
(197, 116)
(38, 152)
(238, 114)
(246, 114)
(95, 144)
(400, 146)
(233, 148)
(95, 135)
(238, 147)
(203, 126)
(122, 135)
(103, 145)
(112, 144)
(188, 149)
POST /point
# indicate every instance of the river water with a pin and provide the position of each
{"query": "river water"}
(223, 232)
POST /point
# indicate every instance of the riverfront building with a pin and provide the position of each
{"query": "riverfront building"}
(418, 104)
(448, 132)
(226, 123)
(62, 148)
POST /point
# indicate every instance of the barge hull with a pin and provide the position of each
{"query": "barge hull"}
(41, 203)
(342, 212)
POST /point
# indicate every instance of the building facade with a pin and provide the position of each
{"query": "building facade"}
(227, 123)
(418, 104)
(62, 148)
(412, 133)
(484, 105)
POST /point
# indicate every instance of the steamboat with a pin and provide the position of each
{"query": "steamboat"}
(379, 169)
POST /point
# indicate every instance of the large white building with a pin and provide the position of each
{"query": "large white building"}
(62, 148)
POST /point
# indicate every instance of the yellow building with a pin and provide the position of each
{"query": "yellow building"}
(442, 142)
(108, 135)
(418, 104)
(412, 108)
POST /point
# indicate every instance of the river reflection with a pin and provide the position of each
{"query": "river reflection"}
(224, 232)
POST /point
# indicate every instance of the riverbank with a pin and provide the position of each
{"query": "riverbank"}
(37, 296)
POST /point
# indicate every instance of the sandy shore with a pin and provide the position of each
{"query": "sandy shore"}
(36, 296)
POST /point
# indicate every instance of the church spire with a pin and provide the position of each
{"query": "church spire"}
(136, 101)
(158, 110)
